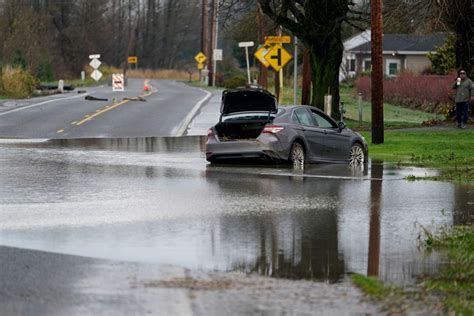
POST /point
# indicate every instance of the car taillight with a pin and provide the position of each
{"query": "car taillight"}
(210, 132)
(272, 129)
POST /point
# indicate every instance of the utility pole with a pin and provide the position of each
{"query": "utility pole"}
(212, 42)
(263, 71)
(377, 72)
(205, 30)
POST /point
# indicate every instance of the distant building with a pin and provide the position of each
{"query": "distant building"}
(401, 52)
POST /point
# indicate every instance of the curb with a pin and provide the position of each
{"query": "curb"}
(184, 126)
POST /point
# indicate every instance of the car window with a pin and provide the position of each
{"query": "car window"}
(322, 121)
(304, 117)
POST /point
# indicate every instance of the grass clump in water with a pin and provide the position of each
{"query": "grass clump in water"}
(372, 286)
(455, 281)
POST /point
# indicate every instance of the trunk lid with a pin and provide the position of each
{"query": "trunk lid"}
(248, 100)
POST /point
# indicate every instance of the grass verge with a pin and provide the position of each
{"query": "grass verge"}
(372, 286)
(455, 281)
(450, 151)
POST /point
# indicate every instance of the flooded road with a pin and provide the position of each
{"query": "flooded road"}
(157, 200)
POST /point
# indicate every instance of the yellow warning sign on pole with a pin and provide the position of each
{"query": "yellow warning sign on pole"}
(277, 39)
(278, 57)
(200, 58)
(261, 53)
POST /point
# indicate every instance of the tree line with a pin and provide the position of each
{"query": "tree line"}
(53, 38)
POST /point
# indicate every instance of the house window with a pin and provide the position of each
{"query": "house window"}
(393, 67)
(351, 64)
(367, 65)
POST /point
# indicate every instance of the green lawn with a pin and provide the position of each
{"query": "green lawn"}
(393, 114)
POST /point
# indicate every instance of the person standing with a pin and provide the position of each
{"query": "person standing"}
(463, 87)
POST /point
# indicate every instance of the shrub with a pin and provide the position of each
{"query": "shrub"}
(17, 82)
(428, 93)
(235, 82)
(444, 60)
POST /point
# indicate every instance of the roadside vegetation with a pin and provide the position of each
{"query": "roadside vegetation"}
(453, 284)
(455, 280)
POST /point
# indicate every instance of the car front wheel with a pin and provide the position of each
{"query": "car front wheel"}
(356, 155)
(297, 156)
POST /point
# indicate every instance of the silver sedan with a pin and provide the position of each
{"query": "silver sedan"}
(252, 127)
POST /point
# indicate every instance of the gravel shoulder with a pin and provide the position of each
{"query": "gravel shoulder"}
(40, 283)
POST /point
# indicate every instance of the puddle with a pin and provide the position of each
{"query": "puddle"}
(158, 200)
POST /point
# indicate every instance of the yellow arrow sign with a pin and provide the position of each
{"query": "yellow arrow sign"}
(278, 57)
(200, 58)
(261, 53)
(132, 59)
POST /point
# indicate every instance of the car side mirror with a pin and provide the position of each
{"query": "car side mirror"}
(341, 126)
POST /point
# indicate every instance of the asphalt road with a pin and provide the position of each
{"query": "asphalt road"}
(162, 113)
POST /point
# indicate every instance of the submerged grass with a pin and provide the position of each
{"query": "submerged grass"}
(455, 281)
(372, 286)
(451, 151)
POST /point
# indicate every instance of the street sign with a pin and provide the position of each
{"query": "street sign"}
(200, 66)
(261, 53)
(278, 57)
(95, 56)
(246, 44)
(277, 39)
(218, 54)
(118, 83)
(95, 63)
(132, 59)
(96, 75)
(200, 58)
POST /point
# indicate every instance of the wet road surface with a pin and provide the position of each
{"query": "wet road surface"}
(162, 111)
(156, 200)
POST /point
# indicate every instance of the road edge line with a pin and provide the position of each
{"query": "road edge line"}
(184, 126)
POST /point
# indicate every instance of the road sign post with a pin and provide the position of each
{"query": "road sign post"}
(247, 45)
(133, 60)
(118, 83)
(217, 56)
(95, 64)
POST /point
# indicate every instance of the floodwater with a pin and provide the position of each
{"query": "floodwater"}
(158, 200)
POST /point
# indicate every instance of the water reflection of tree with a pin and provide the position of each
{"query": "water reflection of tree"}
(301, 244)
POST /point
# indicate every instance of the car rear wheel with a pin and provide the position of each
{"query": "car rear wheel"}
(356, 155)
(297, 156)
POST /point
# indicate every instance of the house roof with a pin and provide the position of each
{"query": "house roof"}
(406, 43)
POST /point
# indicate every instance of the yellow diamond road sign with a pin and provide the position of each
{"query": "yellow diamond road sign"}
(200, 58)
(261, 53)
(278, 57)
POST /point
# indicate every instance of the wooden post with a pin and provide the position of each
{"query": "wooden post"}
(377, 72)
(263, 71)
(306, 85)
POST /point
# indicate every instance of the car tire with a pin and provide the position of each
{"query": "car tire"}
(297, 156)
(357, 155)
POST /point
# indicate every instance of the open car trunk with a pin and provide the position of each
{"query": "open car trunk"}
(229, 131)
(244, 113)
